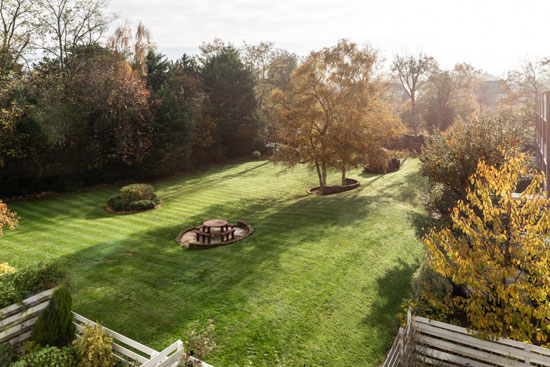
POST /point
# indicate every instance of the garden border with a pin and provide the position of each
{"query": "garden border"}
(351, 184)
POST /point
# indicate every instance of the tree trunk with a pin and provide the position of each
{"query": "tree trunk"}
(320, 175)
(415, 121)
(343, 174)
(324, 177)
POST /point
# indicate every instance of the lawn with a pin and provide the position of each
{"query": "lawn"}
(318, 284)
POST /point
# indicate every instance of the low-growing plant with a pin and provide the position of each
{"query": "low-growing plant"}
(55, 325)
(49, 357)
(16, 286)
(95, 347)
(8, 354)
(256, 154)
(5, 269)
(141, 205)
(199, 343)
(136, 192)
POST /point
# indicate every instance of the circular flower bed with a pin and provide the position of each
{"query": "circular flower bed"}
(133, 198)
(334, 189)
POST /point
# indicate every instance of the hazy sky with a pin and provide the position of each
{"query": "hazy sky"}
(491, 34)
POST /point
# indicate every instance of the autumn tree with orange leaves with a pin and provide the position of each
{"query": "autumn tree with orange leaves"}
(333, 113)
(497, 252)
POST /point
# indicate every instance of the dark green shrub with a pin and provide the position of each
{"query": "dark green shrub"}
(8, 354)
(136, 192)
(55, 324)
(14, 287)
(49, 357)
(141, 205)
(116, 203)
(256, 154)
(428, 284)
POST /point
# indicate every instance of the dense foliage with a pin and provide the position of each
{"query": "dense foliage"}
(16, 286)
(496, 252)
(450, 158)
(132, 198)
(55, 325)
(95, 347)
(49, 357)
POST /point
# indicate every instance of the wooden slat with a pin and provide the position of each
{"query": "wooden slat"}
(174, 358)
(26, 303)
(17, 329)
(20, 338)
(164, 354)
(128, 353)
(462, 330)
(470, 352)
(480, 344)
(23, 315)
(132, 343)
(461, 361)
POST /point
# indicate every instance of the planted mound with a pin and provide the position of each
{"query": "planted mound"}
(133, 199)
(334, 189)
(392, 165)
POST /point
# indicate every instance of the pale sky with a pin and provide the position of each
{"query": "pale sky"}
(493, 35)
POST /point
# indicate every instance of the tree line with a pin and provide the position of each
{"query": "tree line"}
(81, 107)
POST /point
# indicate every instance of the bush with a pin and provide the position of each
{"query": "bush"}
(14, 287)
(95, 347)
(116, 203)
(428, 285)
(6, 269)
(8, 354)
(256, 154)
(49, 357)
(383, 162)
(136, 192)
(449, 159)
(55, 325)
(141, 205)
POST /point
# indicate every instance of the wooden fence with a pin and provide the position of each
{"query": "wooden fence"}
(437, 343)
(16, 322)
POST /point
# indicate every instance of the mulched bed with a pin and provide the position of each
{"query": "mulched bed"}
(334, 189)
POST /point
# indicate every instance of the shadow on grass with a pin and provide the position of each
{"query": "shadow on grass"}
(392, 289)
(148, 280)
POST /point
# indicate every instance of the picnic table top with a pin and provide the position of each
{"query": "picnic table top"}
(215, 223)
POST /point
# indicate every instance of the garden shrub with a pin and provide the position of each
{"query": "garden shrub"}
(8, 354)
(450, 158)
(141, 205)
(429, 285)
(133, 198)
(95, 347)
(5, 269)
(16, 286)
(256, 154)
(49, 357)
(55, 325)
(136, 192)
(383, 162)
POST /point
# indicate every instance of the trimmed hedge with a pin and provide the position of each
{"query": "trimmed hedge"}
(15, 287)
(136, 192)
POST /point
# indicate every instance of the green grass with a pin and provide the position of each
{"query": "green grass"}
(318, 284)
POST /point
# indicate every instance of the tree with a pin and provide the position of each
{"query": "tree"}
(8, 218)
(333, 111)
(451, 157)
(496, 251)
(66, 24)
(17, 30)
(413, 72)
(136, 54)
(450, 94)
(229, 85)
(522, 86)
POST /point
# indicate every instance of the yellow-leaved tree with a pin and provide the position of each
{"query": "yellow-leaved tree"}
(7, 217)
(333, 112)
(498, 253)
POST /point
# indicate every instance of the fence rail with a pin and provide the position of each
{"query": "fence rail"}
(436, 343)
(17, 320)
